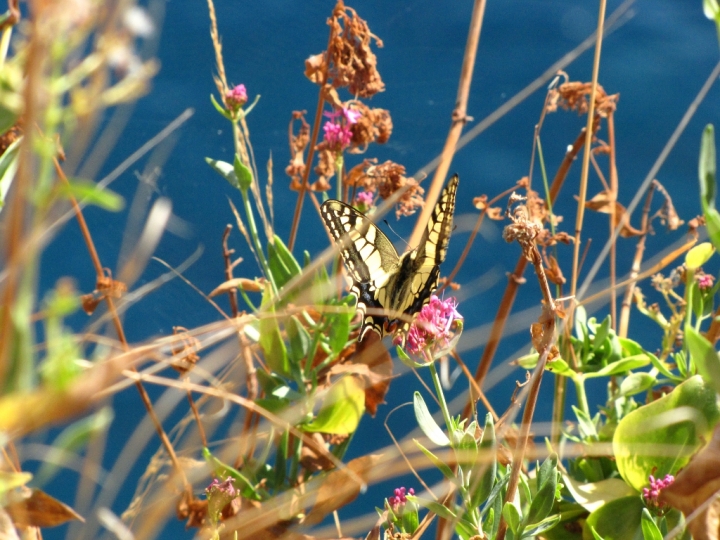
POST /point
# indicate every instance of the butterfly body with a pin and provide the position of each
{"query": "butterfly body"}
(391, 289)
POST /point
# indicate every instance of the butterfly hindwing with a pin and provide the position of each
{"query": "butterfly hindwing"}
(390, 289)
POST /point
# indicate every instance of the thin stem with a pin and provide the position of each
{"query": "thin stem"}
(311, 148)
(459, 117)
(586, 156)
(581, 394)
(635, 270)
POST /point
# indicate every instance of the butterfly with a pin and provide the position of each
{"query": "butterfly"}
(390, 288)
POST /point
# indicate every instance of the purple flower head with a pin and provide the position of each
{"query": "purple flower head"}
(219, 494)
(704, 281)
(236, 98)
(337, 128)
(364, 200)
(650, 494)
(397, 502)
(433, 330)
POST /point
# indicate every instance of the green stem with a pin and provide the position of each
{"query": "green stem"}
(339, 171)
(581, 395)
(252, 228)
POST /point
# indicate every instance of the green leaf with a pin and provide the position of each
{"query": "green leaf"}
(593, 495)
(271, 341)
(528, 361)
(88, 192)
(707, 168)
(224, 169)
(534, 529)
(286, 256)
(699, 255)
(273, 404)
(649, 527)
(585, 424)
(704, 355)
(680, 421)
(708, 172)
(8, 168)
(621, 366)
(427, 423)
(440, 509)
(595, 535)
(219, 108)
(544, 499)
(512, 517)
(339, 324)
(636, 383)
(243, 174)
(711, 9)
(601, 333)
(441, 465)
(342, 408)
(486, 466)
(299, 340)
(616, 520)
(281, 274)
(560, 367)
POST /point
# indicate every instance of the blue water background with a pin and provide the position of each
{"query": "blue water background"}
(657, 60)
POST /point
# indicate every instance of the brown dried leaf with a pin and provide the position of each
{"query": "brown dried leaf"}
(553, 271)
(603, 203)
(373, 354)
(311, 459)
(251, 285)
(298, 143)
(352, 62)
(374, 125)
(314, 67)
(694, 486)
(35, 508)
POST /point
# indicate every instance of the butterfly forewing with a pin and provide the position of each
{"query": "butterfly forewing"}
(390, 289)
(369, 257)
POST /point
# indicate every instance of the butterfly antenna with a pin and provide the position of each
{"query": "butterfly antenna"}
(385, 221)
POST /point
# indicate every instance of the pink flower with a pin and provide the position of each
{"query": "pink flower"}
(236, 98)
(398, 501)
(364, 200)
(650, 494)
(337, 129)
(219, 495)
(433, 331)
(704, 281)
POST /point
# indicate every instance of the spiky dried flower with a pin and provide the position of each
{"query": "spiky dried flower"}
(372, 126)
(574, 96)
(349, 61)
(298, 143)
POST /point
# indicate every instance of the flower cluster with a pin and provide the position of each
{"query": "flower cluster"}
(364, 200)
(236, 98)
(434, 329)
(397, 502)
(219, 495)
(337, 128)
(650, 494)
(705, 281)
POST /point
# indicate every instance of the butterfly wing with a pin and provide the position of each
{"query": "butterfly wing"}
(419, 269)
(369, 257)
